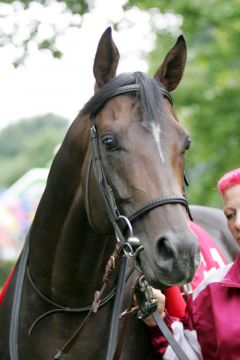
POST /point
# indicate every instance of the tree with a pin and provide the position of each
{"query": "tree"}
(27, 144)
(11, 31)
(208, 97)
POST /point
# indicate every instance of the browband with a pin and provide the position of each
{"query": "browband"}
(132, 88)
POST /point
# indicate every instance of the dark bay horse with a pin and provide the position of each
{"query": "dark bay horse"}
(139, 147)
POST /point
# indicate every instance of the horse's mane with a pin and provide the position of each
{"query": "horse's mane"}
(150, 95)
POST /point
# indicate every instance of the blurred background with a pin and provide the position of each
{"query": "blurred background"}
(47, 49)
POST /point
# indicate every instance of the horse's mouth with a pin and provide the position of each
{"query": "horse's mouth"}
(158, 278)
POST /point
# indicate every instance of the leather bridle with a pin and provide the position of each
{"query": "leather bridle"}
(115, 215)
(116, 219)
(105, 189)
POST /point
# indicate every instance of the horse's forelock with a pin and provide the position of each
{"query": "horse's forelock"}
(151, 98)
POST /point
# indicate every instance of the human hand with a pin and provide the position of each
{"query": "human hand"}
(160, 297)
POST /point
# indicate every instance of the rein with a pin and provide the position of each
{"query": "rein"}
(13, 333)
(61, 308)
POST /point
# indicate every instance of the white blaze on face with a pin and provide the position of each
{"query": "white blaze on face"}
(156, 134)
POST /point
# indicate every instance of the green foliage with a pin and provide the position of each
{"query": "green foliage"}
(27, 144)
(207, 101)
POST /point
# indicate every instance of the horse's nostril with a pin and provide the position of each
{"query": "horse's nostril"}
(164, 250)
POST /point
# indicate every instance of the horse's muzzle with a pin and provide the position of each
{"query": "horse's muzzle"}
(175, 260)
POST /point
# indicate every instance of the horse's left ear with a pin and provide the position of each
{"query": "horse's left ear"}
(106, 59)
(172, 68)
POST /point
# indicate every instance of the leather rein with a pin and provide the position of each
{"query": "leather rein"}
(125, 247)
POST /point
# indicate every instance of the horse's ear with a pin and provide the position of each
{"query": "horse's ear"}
(106, 59)
(172, 68)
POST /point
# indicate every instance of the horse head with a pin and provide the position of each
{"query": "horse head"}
(141, 147)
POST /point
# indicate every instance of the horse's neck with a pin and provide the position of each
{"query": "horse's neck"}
(80, 258)
(67, 257)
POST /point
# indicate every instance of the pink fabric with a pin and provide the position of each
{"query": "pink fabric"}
(211, 259)
(211, 256)
(5, 287)
(213, 313)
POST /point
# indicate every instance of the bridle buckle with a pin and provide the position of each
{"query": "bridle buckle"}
(144, 296)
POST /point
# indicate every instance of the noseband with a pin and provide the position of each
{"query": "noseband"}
(106, 191)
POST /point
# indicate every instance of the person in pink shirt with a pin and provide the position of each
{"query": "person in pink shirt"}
(212, 258)
(210, 328)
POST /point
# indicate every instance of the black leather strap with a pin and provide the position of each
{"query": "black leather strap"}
(136, 87)
(106, 190)
(126, 89)
(171, 199)
(13, 333)
(60, 308)
(113, 334)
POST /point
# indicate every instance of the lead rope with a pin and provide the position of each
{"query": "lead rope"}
(168, 335)
(125, 317)
(113, 334)
(147, 306)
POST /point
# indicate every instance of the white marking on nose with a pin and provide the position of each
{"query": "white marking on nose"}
(156, 134)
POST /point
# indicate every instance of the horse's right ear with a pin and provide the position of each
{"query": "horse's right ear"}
(172, 68)
(106, 59)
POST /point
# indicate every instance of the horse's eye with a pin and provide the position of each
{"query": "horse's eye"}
(110, 143)
(188, 144)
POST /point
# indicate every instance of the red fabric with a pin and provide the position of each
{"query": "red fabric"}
(5, 287)
(211, 259)
(175, 303)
